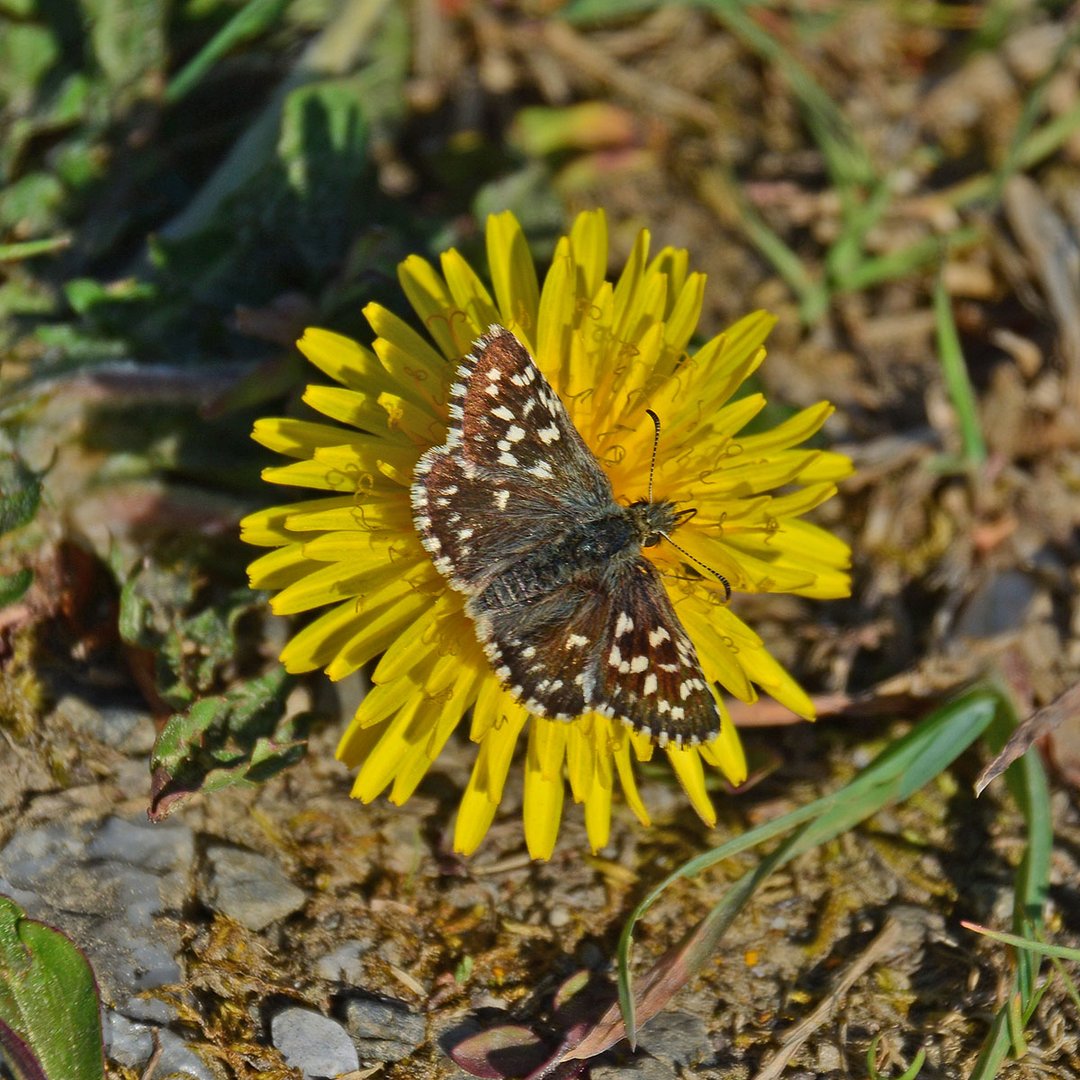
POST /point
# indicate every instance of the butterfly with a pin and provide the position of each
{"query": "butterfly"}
(518, 515)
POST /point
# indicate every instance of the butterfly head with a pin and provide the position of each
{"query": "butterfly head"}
(654, 520)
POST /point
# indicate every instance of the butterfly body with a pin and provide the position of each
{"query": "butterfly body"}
(518, 515)
(599, 547)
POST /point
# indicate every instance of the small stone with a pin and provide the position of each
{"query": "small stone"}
(997, 606)
(344, 964)
(105, 886)
(131, 1044)
(829, 1059)
(405, 849)
(558, 917)
(127, 1043)
(678, 1038)
(178, 1057)
(384, 1029)
(316, 1045)
(249, 887)
(129, 730)
(638, 1067)
(149, 847)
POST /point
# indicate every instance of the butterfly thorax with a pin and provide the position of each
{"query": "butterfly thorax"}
(601, 544)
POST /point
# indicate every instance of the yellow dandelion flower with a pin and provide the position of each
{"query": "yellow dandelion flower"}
(611, 350)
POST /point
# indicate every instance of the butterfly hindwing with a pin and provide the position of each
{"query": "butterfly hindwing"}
(647, 672)
(543, 653)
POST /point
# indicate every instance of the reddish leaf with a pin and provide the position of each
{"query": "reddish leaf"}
(498, 1052)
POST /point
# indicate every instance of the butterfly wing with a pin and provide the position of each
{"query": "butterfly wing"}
(511, 420)
(542, 653)
(646, 671)
(513, 474)
(610, 643)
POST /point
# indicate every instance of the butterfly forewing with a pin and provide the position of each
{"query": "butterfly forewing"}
(512, 420)
(476, 522)
(513, 472)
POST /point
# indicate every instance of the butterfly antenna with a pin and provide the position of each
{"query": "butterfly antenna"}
(652, 470)
(705, 566)
(655, 447)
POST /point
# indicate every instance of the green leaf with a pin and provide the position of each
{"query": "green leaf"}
(20, 493)
(191, 632)
(13, 586)
(48, 1000)
(84, 294)
(957, 381)
(127, 38)
(236, 738)
(28, 249)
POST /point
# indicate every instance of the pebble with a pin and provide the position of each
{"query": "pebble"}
(384, 1029)
(345, 963)
(678, 1038)
(129, 730)
(316, 1045)
(639, 1067)
(997, 606)
(249, 887)
(559, 916)
(105, 885)
(131, 1044)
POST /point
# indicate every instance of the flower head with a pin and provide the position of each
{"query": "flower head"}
(611, 351)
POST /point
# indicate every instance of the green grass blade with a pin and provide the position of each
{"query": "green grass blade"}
(28, 249)
(846, 253)
(899, 771)
(957, 382)
(720, 190)
(907, 260)
(846, 159)
(1027, 783)
(1033, 104)
(909, 1073)
(249, 21)
(1035, 149)
(1017, 941)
